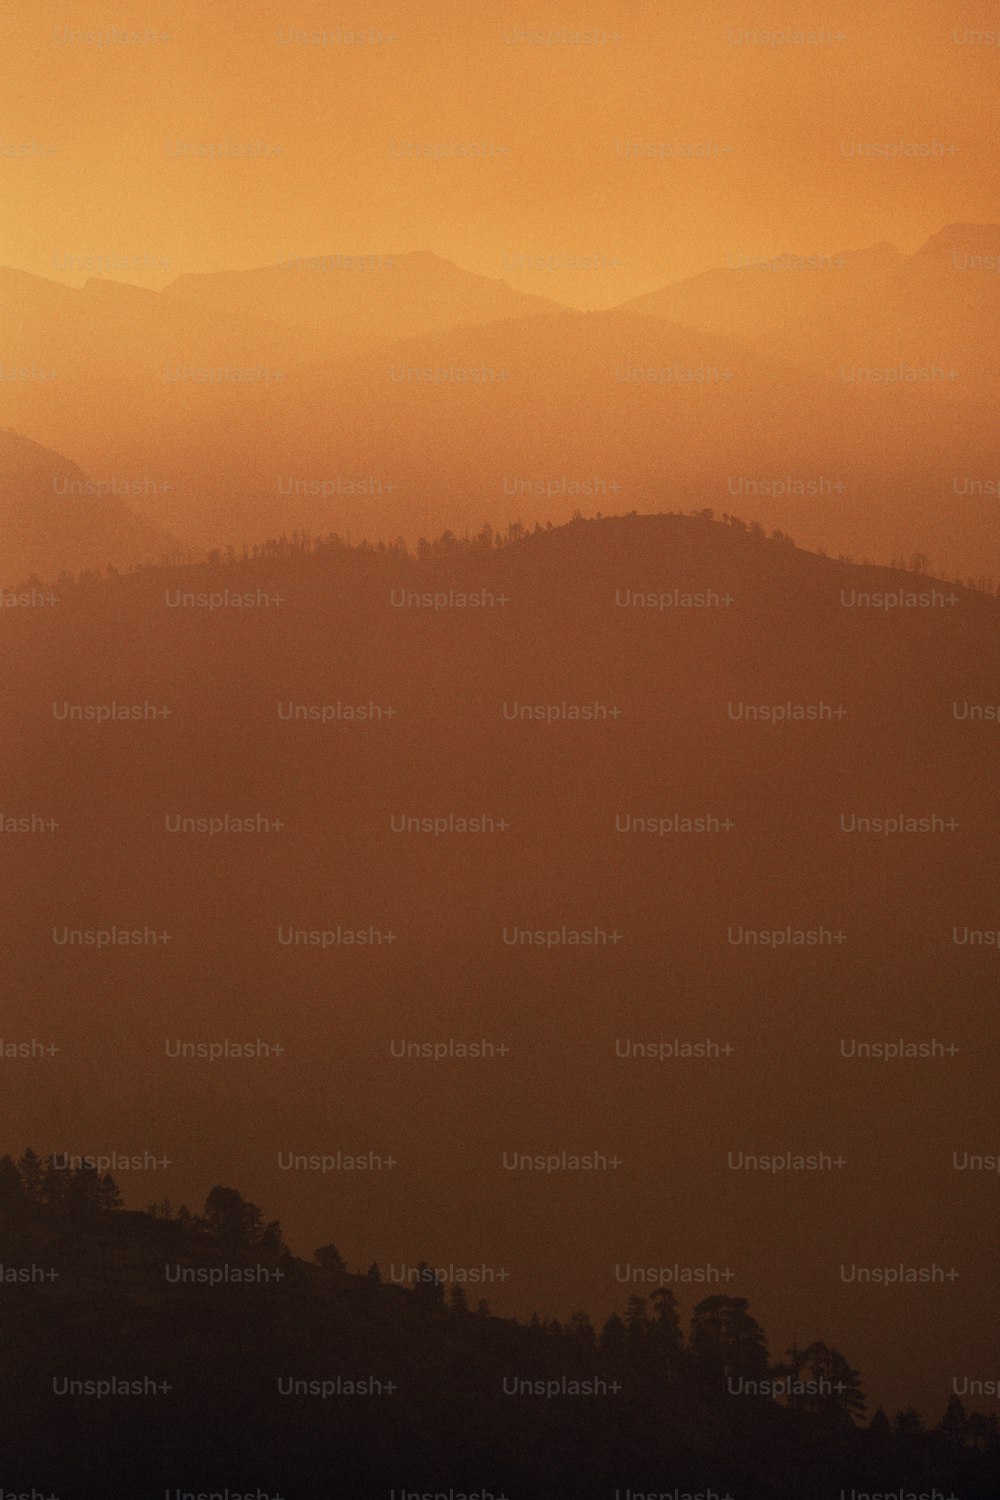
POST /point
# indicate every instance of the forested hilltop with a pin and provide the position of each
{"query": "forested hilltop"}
(168, 1350)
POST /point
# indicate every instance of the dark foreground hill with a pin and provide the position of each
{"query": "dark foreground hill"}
(165, 1352)
(675, 853)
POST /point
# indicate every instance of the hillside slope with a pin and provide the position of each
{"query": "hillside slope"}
(636, 721)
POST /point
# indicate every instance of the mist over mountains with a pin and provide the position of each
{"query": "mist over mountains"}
(849, 399)
(53, 519)
(499, 607)
(365, 299)
(755, 295)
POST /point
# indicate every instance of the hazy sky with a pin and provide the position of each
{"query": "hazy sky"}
(749, 157)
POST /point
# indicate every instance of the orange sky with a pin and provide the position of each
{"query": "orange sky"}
(665, 74)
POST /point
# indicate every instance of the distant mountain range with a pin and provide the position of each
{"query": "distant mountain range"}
(364, 299)
(752, 297)
(936, 310)
(849, 401)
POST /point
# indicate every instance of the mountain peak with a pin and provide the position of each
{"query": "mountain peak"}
(974, 239)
